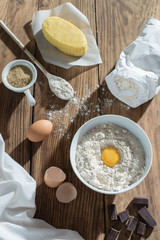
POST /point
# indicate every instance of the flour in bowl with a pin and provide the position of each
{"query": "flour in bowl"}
(93, 170)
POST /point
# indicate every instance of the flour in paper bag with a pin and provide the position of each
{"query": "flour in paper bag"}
(135, 79)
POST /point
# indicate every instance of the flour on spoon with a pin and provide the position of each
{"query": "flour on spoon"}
(61, 88)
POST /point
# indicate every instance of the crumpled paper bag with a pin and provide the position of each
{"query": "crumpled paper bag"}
(17, 205)
(51, 54)
(136, 77)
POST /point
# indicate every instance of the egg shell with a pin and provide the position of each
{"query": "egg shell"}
(54, 176)
(66, 192)
(39, 130)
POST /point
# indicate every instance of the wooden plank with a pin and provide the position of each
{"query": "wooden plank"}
(67, 117)
(122, 22)
(15, 114)
(115, 24)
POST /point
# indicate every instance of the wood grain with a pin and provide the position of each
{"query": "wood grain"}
(14, 120)
(55, 150)
(124, 20)
(115, 24)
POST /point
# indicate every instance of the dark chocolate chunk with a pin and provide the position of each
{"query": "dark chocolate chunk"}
(132, 223)
(113, 234)
(112, 212)
(141, 228)
(143, 201)
(123, 216)
(145, 214)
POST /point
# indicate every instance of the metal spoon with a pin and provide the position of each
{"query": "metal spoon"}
(59, 86)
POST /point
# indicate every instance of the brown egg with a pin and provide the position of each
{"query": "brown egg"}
(39, 130)
(54, 176)
(66, 192)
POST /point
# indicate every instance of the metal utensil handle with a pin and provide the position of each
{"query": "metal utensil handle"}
(39, 65)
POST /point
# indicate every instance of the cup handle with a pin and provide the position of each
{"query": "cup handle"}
(30, 98)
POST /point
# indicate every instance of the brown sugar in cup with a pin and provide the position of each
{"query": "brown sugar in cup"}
(19, 76)
(54, 176)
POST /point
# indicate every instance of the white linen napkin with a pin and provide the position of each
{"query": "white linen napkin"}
(51, 54)
(136, 77)
(17, 205)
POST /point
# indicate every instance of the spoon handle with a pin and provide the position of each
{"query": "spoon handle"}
(25, 50)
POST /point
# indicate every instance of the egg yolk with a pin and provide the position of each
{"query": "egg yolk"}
(110, 156)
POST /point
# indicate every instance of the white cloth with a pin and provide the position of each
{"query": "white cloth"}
(136, 77)
(51, 54)
(17, 205)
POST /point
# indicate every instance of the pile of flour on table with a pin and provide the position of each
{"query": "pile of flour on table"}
(95, 172)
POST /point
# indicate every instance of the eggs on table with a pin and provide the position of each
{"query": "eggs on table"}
(66, 192)
(39, 130)
(54, 177)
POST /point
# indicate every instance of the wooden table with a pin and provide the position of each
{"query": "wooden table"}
(115, 24)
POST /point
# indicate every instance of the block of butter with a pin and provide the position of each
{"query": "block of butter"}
(64, 36)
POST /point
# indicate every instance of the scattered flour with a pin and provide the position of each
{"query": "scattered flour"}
(83, 107)
(95, 172)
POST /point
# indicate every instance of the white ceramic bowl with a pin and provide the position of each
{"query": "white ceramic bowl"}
(25, 89)
(124, 122)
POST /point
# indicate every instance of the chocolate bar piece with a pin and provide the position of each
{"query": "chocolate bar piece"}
(113, 234)
(141, 229)
(123, 216)
(132, 223)
(145, 214)
(112, 212)
(143, 201)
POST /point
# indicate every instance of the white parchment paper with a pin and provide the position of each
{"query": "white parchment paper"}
(51, 54)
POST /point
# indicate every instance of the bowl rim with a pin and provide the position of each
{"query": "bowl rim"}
(109, 116)
(14, 63)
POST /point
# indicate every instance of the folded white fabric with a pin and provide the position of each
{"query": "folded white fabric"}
(17, 205)
(136, 77)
